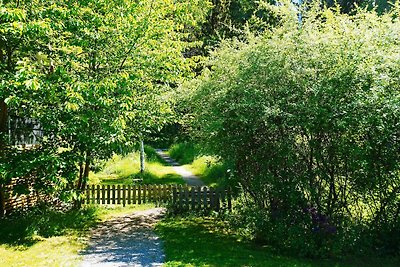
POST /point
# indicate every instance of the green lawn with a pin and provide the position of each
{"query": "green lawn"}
(206, 242)
(123, 169)
(44, 237)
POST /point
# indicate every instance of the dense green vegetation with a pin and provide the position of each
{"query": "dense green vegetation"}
(307, 116)
(194, 241)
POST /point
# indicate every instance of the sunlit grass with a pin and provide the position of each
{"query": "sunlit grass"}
(44, 237)
(211, 171)
(52, 251)
(124, 169)
(207, 242)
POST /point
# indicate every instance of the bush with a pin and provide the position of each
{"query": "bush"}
(309, 117)
(184, 153)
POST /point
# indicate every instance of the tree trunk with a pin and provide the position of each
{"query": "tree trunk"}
(142, 156)
(3, 125)
(2, 202)
(86, 172)
(79, 185)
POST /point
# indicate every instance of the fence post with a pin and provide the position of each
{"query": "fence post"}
(123, 195)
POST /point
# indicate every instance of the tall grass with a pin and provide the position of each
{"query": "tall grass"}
(123, 169)
(211, 169)
(184, 153)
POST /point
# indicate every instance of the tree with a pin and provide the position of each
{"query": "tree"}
(95, 74)
(308, 117)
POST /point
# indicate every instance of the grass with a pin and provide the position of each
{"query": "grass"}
(206, 242)
(210, 169)
(184, 153)
(123, 169)
(45, 237)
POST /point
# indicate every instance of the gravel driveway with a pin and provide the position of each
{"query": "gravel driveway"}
(126, 241)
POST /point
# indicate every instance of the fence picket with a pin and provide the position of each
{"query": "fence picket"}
(108, 194)
(113, 194)
(174, 195)
(103, 194)
(123, 195)
(134, 194)
(93, 195)
(139, 194)
(98, 194)
(193, 197)
(129, 194)
(144, 194)
(205, 193)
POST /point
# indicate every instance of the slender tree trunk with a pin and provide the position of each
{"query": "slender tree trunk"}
(3, 144)
(142, 167)
(3, 126)
(2, 201)
(86, 172)
(79, 185)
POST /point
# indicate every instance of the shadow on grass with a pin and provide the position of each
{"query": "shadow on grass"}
(148, 178)
(204, 242)
(27, 228)
(170, 178)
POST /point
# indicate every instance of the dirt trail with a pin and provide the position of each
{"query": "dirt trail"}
(187, 176)
(126, 241)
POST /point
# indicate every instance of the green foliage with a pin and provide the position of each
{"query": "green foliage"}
(309, 118)
(96, 75)
(184, 153)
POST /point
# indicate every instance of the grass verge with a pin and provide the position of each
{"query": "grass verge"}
(207, 242)
(212, 171)
(45, 237)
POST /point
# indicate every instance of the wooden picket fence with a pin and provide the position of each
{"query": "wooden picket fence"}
(176, 196)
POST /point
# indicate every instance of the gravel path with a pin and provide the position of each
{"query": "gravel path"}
(187, 176)
(126, 241)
